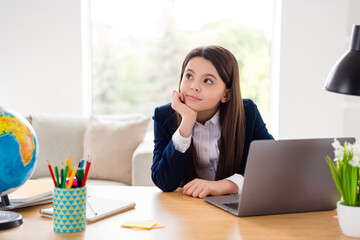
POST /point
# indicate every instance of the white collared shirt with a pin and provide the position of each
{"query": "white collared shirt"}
(205, 138)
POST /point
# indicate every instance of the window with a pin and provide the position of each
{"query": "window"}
(138, 47)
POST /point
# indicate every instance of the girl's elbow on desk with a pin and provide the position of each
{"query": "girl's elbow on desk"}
(165, 187)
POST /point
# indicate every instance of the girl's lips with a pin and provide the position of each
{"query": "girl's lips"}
(193, 98)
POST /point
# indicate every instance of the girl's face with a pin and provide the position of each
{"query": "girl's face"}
(203, 89)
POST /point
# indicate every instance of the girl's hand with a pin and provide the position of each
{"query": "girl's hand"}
(188, 115)
(201, 188)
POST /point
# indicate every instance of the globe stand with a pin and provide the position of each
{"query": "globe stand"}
(8, 219)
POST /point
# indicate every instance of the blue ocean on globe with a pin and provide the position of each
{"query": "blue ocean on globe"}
(18, 151)
(13, 173)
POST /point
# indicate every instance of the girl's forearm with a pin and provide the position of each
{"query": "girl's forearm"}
(228, 187)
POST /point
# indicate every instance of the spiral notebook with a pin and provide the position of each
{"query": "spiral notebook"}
(97, 208)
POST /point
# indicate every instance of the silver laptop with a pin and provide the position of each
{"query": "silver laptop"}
(284, 176)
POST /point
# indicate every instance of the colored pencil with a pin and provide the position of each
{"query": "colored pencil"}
(69, 164)
(65, 176)
(80, 176)
(51, 173)
(69, 185)
(88, 163)
(57, 175)
(82, 163)
(61, 176)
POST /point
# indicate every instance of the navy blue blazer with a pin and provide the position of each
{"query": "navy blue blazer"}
(167, 170)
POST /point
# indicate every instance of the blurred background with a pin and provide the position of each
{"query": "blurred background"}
(113, 57)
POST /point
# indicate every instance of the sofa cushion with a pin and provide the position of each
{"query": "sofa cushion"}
(59, 136)
(112, 143)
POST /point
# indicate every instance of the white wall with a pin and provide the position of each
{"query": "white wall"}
(314, 34)
(40, 56)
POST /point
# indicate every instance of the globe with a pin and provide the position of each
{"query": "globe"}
(18, 151)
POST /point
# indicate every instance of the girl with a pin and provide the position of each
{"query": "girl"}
(202, 139)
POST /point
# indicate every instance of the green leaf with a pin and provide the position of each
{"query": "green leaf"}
(346, 186)
(346, 177)
(335, 175)
(354, 185)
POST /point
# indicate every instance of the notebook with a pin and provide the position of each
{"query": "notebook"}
(284, 176)
(97, 208)
(32, 193)
(32, 190)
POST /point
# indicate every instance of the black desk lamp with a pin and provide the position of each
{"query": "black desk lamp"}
(344, 77)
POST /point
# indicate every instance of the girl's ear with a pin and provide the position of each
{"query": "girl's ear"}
(226, 97)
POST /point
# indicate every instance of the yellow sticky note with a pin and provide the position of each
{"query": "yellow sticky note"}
(158, 225)
(154, 227)
(147, 224)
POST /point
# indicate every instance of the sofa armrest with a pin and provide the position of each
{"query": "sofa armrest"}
(142, 161)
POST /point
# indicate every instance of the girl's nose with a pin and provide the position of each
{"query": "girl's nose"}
(195, 87)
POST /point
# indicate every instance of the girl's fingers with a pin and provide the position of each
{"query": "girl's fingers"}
(179, 105)
(175, 95)
(182, 99)
(189, 183)
(197, 191)
(188, 186)
(204, 193)
(193, 188)
(198, 188)
(177, 100)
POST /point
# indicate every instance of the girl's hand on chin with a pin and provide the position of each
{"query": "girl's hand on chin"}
(179, 105)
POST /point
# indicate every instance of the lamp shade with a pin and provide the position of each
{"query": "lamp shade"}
(344, 76)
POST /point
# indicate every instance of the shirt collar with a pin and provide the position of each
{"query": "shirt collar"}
(214, 120)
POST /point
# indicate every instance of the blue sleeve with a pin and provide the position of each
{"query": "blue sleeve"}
(167, 170)
(260, 131)
(255, 126)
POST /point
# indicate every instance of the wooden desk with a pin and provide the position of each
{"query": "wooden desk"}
(184, 218)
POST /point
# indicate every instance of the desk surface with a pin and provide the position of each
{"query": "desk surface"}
(184, 217)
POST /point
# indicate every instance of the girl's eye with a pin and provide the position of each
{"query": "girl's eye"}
(208, 81)
(188, 76)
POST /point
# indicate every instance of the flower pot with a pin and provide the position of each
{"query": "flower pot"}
(349, 219)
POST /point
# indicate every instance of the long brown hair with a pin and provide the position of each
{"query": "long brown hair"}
(232, 140)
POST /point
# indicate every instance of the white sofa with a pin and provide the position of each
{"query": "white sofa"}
(61, 136)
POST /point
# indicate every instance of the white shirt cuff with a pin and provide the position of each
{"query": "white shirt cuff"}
(181, 143)
(238, 180)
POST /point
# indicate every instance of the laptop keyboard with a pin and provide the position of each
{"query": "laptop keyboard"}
(234, 206)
